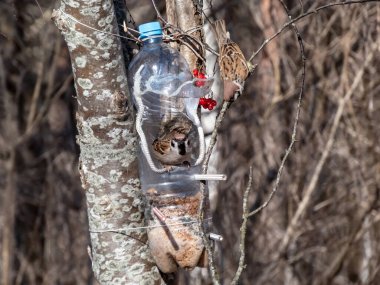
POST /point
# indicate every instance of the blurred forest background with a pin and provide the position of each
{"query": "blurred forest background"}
(322, 227)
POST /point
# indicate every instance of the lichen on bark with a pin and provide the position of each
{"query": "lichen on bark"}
(107, 144)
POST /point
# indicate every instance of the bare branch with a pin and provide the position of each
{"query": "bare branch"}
(107, 145)
(314, 11)
(295, 125)
(202, 210)
(294, 133)
(214, 134)
(159, 16)
(243, 229)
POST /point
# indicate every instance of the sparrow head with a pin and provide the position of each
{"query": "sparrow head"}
(174, 143)
(182, 147)
(172, 151)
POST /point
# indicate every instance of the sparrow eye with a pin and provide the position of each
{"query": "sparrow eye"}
(188, 142)
(172, 143)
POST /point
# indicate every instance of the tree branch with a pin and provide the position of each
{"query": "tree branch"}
(107, 143)
(243, 229)
(309, 13)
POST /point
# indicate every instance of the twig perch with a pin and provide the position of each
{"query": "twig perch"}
(243, 229)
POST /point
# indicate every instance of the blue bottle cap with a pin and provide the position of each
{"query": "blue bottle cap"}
(150, 29)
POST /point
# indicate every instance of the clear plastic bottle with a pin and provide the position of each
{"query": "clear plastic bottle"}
(163, 91)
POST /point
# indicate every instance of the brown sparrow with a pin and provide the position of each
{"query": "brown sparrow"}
(234, 68)
(173, 145)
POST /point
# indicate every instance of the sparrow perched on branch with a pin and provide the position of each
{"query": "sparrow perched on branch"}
(173, 145)
(234, 68)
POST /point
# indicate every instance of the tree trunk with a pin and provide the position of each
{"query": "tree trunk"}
(107, 143)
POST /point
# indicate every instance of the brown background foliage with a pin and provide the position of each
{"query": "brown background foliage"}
(336, 241)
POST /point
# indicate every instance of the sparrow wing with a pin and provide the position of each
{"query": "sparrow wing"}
(179, 125)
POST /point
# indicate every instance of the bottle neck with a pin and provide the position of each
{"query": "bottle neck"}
(152, 40)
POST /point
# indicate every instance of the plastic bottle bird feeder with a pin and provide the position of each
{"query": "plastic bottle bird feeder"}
(171, 149)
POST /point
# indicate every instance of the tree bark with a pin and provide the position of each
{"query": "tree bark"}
(187, 16)
(107, 143)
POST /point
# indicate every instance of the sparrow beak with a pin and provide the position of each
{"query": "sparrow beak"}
(181, 147)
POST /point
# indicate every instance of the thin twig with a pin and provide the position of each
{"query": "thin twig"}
(132, 21)
(159, 16)
(189, 46)
(43, 109)
(314, 11)
(128, 32)
(206, 241)
(204, 194)
(243, 230)
(36, 95)
(178, 33)
(39, 7)
(281, 168)
(92, 28)
(214, 134)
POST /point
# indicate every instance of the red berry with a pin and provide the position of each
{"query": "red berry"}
(201, 75)
(210, 107)
(213, 103)
(199, 83)
(203, 102)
